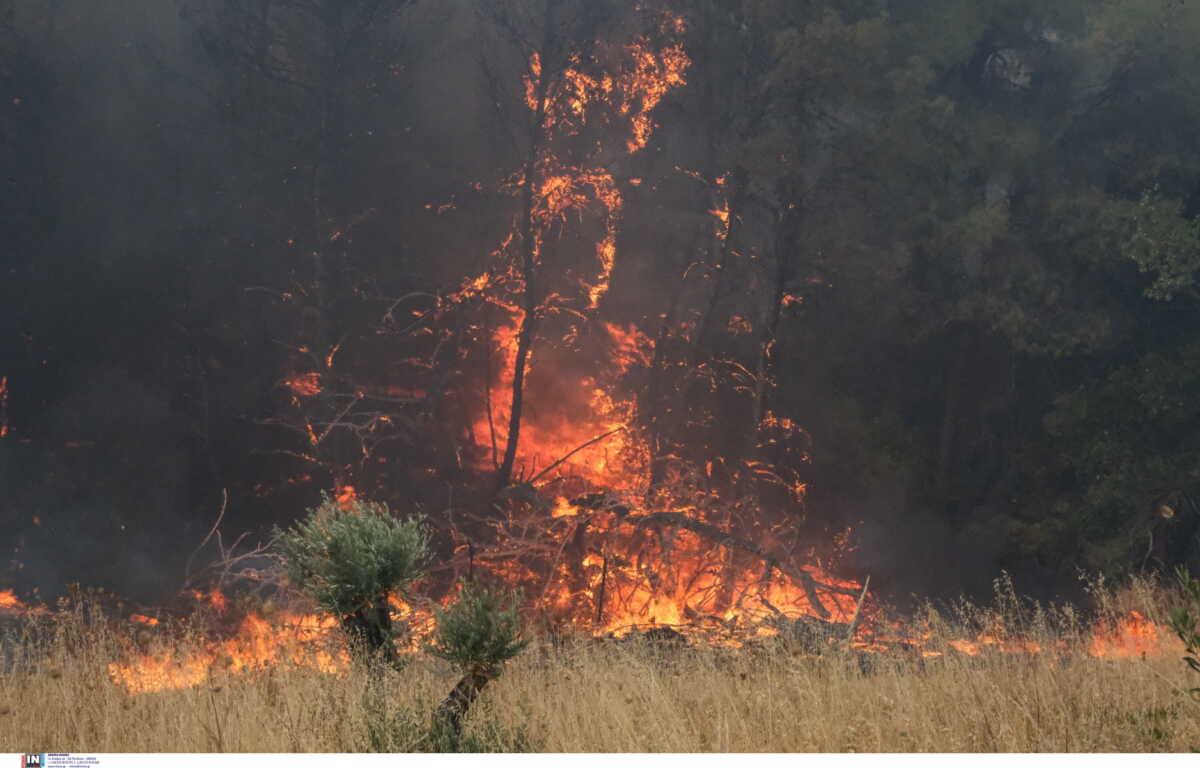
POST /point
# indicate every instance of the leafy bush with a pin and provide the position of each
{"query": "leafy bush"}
(350, 558)
(1185, 619)
(478, 633)
(481, 630)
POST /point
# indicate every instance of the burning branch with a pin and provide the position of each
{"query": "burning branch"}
(588, 444)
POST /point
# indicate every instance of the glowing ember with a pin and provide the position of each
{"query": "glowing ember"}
(214, 600)
(304, 385)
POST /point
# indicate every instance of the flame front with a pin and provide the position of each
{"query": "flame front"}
(305, 640)
(1133, 637)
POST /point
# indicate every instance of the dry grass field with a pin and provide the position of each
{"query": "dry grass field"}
(636, 695)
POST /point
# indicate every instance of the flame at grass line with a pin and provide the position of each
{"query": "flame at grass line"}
(1134, 636)
(11, 605)
(310, 640)
(315, 641)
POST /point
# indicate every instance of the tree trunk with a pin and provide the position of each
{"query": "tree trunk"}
(722, 267)
(370, 629)
(529, 262)
(453, 710)
(654, 395)
(789, 223)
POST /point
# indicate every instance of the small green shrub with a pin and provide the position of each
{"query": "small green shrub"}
(1185, 619)
(350, 559)
(481, 630)
(478, 633)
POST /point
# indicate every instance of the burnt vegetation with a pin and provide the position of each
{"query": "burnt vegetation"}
(671, 313)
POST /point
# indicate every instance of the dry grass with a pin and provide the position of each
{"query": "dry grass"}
(635, 696)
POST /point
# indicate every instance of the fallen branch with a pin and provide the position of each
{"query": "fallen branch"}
(805, 579)
(858, 610)
(187, 569)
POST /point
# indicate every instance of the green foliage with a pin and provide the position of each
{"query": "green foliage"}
(481, 630)
(348, 558)
(1185, 619)
(1166, 245)
(1132, 435)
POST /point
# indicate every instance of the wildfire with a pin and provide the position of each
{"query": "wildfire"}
(622, 561)
(258, 644)
(11, 605)
(314, 641)
(990, 642)
(689, 596)
(1133, 636)
(589, 414)
(612, 552)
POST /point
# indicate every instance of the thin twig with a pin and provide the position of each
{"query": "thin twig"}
(591, 442)
(187, 569)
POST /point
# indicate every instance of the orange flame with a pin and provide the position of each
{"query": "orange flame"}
(258, 644)
(11, 605)
(1134, 636)
(301, 639)
(346, 496)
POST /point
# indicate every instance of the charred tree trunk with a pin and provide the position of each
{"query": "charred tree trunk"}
(721, 268)
(448, 718)
(654, 396)
(370, 629)
(529, 260)
(789, 224)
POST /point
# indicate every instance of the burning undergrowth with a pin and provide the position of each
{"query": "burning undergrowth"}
(208, 635)
(591, 450)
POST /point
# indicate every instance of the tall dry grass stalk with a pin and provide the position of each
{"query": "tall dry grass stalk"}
(635, 695)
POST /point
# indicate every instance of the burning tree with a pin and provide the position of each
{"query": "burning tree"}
(603, 526)
(592, 465)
